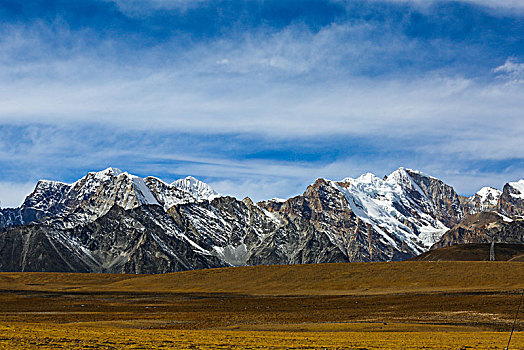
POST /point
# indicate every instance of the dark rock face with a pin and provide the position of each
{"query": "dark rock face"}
(447, 207)
(33, 248)
(11, 217)
(141, 240)
(300, 238)
(226, 227)
(501, 220)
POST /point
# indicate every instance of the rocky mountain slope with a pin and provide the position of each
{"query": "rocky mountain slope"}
(511, 200)
(140, 240)
(484, 227)
(495, 216)
(112, 221)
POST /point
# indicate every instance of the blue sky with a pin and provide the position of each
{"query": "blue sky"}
(260, 98)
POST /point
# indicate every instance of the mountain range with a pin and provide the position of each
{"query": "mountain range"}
(112, 221)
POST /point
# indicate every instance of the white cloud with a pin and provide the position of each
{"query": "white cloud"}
(288, 84)
(512, 71)
(12, 194)
(504, 4)
(140, 7)
(166, 101)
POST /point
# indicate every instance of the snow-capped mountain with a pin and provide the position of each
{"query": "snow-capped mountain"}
(93, 195)
(405, 204)
(494, 216)
(140, 240)
(485, 199)
(488, 195)
(112, 221)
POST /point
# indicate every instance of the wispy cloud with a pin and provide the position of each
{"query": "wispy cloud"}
(241, 93)
(512, 71)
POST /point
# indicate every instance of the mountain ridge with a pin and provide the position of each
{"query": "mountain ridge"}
(187, 225)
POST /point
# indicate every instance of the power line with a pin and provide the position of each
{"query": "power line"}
(515, 321)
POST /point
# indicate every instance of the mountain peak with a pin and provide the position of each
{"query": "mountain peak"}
(368, 177)
(399, 176)
(110, 171)
(200, 190)
(485, 199)
(192, 179)
(364, 178)
(404, 172)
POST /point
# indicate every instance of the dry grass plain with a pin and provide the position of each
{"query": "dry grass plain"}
(406, 305)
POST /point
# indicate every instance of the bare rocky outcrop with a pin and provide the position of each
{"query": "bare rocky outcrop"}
(511, 201)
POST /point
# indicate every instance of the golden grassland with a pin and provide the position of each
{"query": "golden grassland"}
(407, 305)
(29, 336)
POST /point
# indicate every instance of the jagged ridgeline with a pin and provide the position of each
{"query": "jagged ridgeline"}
(112, 221)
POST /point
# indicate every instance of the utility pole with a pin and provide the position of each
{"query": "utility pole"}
(492, 250)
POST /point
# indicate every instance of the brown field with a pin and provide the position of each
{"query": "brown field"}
(408, 305)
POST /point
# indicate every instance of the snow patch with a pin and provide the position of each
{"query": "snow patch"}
(504, 217)
(143, 193)
(107, 173)
(235, 256)
(277, 200)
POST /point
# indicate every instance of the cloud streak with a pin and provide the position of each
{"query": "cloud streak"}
(505, 5)
(262, 93)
